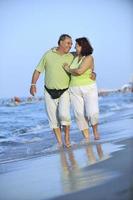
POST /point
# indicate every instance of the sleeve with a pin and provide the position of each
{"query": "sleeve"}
(41, 65)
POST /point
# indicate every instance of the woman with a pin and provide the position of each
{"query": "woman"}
(83, 90)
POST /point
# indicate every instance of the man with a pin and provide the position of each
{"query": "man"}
(56, 85)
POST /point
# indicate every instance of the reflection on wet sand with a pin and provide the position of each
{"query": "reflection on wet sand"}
(74, 176)
(94, 157)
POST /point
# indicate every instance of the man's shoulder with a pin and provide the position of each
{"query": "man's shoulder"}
(47, 53)
(73, 53)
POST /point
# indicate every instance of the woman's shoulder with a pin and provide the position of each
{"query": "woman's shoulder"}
(89, 58)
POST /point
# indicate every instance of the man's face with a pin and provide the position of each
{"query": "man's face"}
(66, 44)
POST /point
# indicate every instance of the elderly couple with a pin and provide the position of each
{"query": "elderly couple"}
(69, 79)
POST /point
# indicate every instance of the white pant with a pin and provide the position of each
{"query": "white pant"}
(84, 100)
(58, 110)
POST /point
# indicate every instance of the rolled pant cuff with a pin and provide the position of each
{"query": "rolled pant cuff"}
(83, 128)
(63, 123)
(94, 119)
(54, 126)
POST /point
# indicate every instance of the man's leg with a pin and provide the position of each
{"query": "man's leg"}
(64, 115)
(58, 135)
(86, 134)
(95, 132)
(67, 135)
(52, 111)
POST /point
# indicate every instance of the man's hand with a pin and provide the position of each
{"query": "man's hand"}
(33, 90)
(35, 77)
(93, 76)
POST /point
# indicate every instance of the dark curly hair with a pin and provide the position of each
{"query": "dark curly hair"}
(87, 49)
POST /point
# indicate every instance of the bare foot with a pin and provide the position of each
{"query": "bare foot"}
(59, 146)
(67, 145)
(96, 136)
(87, 139)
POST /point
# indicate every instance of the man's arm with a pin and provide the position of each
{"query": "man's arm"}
(93, 75)
(35, 77)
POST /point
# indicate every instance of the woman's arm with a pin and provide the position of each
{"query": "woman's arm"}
(85, 65)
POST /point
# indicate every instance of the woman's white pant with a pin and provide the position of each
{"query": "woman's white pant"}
(84, 100)
(58, 110)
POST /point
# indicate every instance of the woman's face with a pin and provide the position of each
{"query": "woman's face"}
(78, 48)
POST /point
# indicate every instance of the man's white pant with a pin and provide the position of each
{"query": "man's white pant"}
(58, 110)
(84, 100)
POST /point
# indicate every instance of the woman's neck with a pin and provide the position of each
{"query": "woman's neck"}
(79, 57)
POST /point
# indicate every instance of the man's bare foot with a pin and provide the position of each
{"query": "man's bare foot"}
(60, 145)
(96, 136)
(86, 139)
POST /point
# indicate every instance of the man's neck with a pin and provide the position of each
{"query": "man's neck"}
(60, 51)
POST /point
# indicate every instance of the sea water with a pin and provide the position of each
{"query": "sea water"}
(25, 131)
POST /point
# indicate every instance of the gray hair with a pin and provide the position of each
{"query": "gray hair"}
(63, 37)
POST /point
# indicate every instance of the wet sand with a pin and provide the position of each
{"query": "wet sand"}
(98, 171)
(120, 187)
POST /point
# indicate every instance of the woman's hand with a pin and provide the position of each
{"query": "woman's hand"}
(66, 67)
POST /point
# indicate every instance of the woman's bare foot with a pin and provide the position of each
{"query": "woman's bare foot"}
(67, 145)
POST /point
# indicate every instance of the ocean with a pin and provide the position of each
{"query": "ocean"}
(25, 131)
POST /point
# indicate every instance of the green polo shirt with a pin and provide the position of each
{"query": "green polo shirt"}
(51, 63)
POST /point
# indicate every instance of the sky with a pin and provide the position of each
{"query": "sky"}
(31, 27)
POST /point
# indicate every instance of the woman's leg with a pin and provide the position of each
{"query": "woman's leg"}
(92, 108)
(79, 112)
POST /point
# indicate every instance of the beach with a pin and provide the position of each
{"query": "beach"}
(32, 167)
